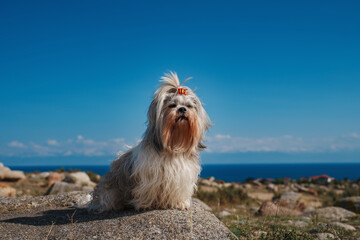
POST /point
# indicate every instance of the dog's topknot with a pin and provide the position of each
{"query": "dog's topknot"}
(170, 79)
(170, 83)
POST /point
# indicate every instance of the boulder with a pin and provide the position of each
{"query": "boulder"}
(1, 165)
(310, 201)
(209, 183)
(54, 177)
(289, 199)
(350, 203)
(272, 187)
(313, 192)
(80, 178)
(43, 175)
(262, 196)
(211, 179)
(7, 174)
(332, 213)
(247, 186)
(63, 187)
(7, 191)
(14, 175)
(48, 218)
(3, 172)
(271, 209)
(257, 183)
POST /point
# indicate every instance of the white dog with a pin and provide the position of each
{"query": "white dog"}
(162, 170)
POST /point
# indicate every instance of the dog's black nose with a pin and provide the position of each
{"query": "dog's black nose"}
(182, 110)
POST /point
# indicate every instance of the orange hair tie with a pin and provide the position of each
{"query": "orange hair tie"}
(182, 91)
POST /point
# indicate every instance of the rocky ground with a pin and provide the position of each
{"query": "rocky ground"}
(255, 209)
(292, 209)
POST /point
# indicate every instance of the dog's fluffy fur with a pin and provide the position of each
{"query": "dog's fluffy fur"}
(162, 170)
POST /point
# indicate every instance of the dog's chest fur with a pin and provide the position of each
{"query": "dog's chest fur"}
(163, 181)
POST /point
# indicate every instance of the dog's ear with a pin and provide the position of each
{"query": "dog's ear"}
(153, 133)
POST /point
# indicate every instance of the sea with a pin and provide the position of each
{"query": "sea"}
(239, 172)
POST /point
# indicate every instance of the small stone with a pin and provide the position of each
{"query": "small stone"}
(254, 209)
(223, 214)
(324, 236)
(343, 226)
(259, 233)
(7, 191)
(270, 209)
(300, 224)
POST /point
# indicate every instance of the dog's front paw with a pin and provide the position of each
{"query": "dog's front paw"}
(185, 205)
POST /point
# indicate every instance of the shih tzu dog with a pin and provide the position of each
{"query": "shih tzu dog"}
(161, 171)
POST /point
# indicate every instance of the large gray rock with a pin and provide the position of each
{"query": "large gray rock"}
(202, 204)
(351, 203)
(55, 222)
(63, 187)
(332, 213)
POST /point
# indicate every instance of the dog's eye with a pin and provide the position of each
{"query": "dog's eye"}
(172, 105)
(189, 106)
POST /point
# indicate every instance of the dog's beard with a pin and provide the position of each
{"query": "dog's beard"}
(180, 132)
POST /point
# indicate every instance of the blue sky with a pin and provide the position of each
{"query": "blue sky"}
(76, 78)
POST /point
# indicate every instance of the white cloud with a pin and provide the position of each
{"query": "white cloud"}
(221, 143)
(52, 147)
(52, 142)
(354, 135)
(286, 143)
(16, 144)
